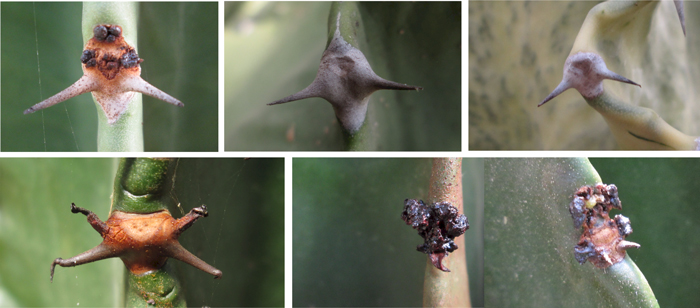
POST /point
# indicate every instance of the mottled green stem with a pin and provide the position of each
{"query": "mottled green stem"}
(162, 286)
(639, 128)
(143, 185)
(447, 289)
(126, 135)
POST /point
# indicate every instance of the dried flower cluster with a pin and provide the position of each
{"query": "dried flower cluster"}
(603, 240)
(438, 224)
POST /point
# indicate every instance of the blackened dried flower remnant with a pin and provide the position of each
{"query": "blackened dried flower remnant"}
(439, 224)
(603, 240)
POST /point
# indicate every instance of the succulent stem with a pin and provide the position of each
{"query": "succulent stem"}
(441, 289)
(346, 80)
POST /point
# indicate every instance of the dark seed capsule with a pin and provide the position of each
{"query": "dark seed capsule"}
(90, 63)
(110, 39)
(87, 55)
(130, 59)
(115, 30)
(100, 32)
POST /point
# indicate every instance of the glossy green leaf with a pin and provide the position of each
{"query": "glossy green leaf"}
(273, 50)
(351, 247)
(530, 238)
(178, 42)
(517, 55)
(36, 226)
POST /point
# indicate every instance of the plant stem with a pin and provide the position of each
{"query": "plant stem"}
(359, 141)
(161, 284)
(126, 135)
(143, 185)
(640, 128)
(442, 289)
(350, 17)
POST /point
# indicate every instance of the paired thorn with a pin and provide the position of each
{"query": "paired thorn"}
(585, 72)
(111, 71)
(346, 80)
(143, 241)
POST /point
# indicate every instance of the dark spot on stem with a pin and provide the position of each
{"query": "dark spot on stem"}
(130, 59)
(88, 54)
(115, 31)
(647, 139)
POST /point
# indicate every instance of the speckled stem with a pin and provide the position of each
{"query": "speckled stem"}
(639, 128)
(161, 286)
(126, 135)
(441, 289)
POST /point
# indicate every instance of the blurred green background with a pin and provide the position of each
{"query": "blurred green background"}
(351, 247)
(273, 49)
(243, 235)
(179, 45)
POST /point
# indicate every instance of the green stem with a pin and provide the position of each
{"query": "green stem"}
(358, 141)
(126, 135)
(143, 185)
(161, 285)
(639, 128)
(441, 289)
(350, 18)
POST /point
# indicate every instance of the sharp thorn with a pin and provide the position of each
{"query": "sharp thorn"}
(627, 245)
(563, 86)
(681, 13)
